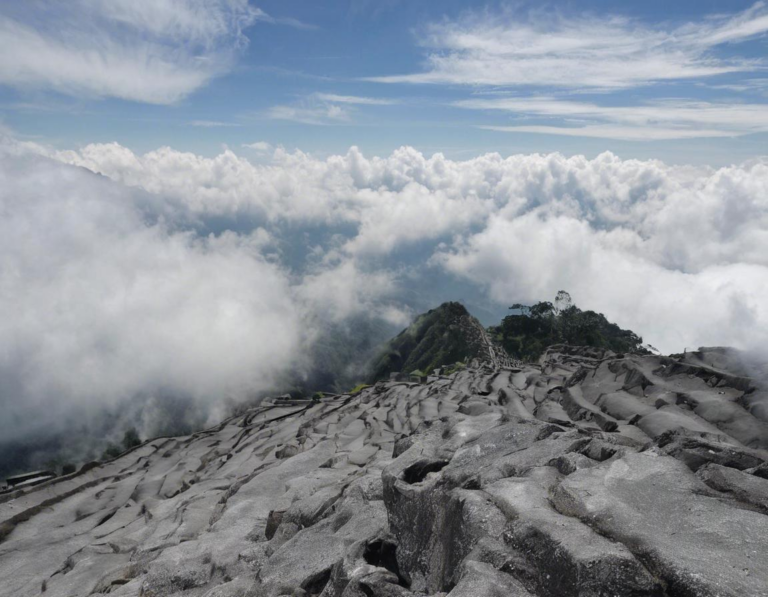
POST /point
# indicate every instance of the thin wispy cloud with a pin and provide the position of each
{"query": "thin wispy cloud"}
(309, 114)
(672, 119)
(619, 133)
(212, 123)
(353, 99)
(324, 108)
(152, 51)
(611, 52)
(291, 22)
(744, 86)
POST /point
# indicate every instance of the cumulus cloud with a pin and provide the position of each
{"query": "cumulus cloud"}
(607, 52)
(204, 279)
(109, 301)
(658, 248)
(111, 294)
(155, 51)
(717, 305)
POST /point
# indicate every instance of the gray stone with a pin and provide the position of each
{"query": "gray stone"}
(571, 477)
(652, 503)
(744, 487)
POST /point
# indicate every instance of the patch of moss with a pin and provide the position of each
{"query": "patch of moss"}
(359, 388)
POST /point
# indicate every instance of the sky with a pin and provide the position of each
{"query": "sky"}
(193, 193)
(643, 79)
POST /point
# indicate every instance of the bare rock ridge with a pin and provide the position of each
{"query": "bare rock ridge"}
(589, 474)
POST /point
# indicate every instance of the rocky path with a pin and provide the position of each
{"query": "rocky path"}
(592, 474)
(492, 354)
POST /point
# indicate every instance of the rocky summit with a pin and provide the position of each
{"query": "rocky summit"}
(441, 336)
(590, 473)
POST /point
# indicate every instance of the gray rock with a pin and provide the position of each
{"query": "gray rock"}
(744, 487)
(653, 504)
(482, 580)
(571, 558)
(588, 474)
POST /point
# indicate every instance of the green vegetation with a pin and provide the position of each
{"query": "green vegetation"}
(444, 337)
(526, 334)
(435, 339)
(359, 388)
(451, 369)
(131, 439)
(112, 451)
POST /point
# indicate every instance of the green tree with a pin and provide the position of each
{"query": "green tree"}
(527, 333)
(112, 451)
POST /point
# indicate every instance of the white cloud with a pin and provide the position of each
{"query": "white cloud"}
(336, 292)
(625, 133)
(671, 119)
(638, 240)
(759, 86)
(155, 51)
(115, 295)
(354, 99)
(310, 114)
(110, 302)
(287, 21)
(111, 291)
(259, 146)
(610, 52)
(324, 108)
(212, 123)
(614, 273)
(199, 21)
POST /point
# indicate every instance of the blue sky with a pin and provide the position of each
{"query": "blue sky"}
(684, 82)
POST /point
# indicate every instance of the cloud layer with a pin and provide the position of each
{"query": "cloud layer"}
(521, 227)
(103, 300)
(208, 278)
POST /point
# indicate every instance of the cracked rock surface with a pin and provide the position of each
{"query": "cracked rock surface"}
(589, 474)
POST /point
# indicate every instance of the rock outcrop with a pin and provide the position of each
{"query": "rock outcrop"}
(435, 339)
(590, 474)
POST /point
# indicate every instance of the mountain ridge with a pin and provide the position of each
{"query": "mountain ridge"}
(449, 334)
(442, 336)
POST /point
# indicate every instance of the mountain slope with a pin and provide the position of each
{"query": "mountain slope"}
(590, 473)
(442, 336)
